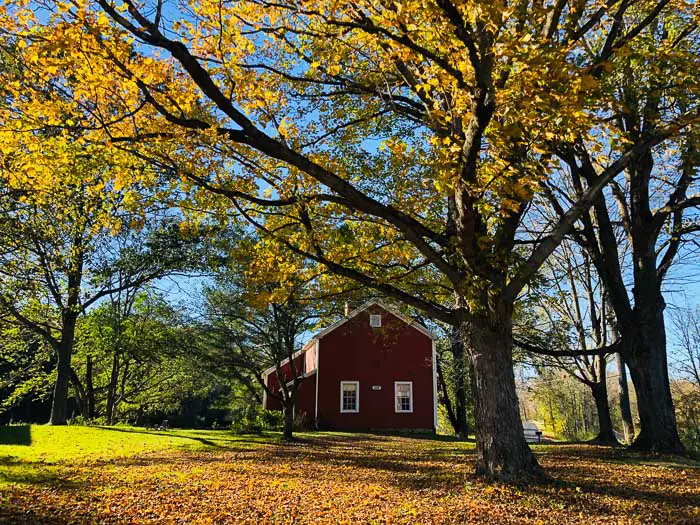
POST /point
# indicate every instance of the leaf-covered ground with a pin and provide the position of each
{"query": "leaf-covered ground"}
(118, 475)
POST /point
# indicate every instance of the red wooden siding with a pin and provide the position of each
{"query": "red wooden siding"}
(375, 357)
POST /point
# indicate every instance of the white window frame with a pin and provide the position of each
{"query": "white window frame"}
(357, 397)
(375, 320)
(410, 397)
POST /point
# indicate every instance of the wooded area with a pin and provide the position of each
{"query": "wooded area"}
(190, 189)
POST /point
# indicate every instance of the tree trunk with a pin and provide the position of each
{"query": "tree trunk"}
(64, 351)
(606, 435)
(502, 452)
(624, 399)
(645, 353)
(59, 407)
(288, 429)
(445, 396)
(112, 389)
(457, 412)
(79, 393)
(657, 417)
(89, 389)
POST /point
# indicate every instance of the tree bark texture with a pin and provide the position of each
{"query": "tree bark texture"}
(606, 434)
(624, 400)
(64, 350)
(649, 372)
(502, 451)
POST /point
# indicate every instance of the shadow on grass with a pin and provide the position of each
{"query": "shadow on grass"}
(16, 435)
(19, 516)
(622, 455)
(14, 471)
(444, 468)
(426, 436)
(230, 439)
(586, 481)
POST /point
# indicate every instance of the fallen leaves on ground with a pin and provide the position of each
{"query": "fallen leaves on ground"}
(352, 479)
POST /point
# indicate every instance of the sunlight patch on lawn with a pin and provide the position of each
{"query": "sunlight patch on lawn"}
(44, 452)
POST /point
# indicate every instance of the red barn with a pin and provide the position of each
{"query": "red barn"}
(374, 369)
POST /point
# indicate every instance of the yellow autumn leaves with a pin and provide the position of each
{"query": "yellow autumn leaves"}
(380, 95)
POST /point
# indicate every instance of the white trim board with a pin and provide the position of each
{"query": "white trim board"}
(318, 345)
(284, 362)
(435, 395)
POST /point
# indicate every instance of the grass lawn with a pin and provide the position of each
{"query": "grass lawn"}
(128, 475)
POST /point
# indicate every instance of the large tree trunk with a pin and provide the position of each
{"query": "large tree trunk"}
(64, 351)
(502, 452)
(644, 337)
(657, 417)
(645, 353)
(624, 400)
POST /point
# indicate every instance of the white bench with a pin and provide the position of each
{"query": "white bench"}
(532, 432)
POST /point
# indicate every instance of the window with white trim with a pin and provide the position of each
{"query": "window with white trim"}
(403, 396)
(375, 320)
(349, 396)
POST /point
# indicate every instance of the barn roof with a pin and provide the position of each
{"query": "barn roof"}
(410, 322)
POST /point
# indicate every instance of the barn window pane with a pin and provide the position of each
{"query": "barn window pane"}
(349, 396)
(375, 320)
(404, 396)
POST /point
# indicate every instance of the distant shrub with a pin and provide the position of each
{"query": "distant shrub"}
(257, 420)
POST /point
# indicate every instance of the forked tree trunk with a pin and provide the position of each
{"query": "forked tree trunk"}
(457, 411)
(502, 452)
(445, 397)
(59, 406)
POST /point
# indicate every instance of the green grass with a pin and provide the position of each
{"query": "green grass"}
(47, 444)
(31, 454)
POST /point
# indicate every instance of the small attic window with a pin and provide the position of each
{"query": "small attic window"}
(375, 320)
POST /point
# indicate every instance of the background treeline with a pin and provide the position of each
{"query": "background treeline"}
(146, 360)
